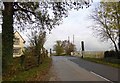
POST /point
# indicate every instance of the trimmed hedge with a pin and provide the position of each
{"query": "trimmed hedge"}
(112, 54)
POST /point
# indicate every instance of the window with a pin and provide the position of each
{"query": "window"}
(16, 51)
(17, 41)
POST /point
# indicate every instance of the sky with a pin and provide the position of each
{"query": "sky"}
(76, 24)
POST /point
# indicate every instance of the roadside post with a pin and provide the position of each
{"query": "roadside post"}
(50, 52)
(82, 45)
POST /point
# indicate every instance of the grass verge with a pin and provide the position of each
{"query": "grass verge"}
(33, 74)
(108, 61)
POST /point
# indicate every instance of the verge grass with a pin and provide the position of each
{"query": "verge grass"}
(108, 61)
(33, 74)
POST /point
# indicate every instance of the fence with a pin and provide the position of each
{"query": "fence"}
(91, 54)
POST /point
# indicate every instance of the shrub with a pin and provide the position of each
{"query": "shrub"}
(111, 54)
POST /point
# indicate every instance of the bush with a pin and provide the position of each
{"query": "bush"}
(13, 69)
(111, 54)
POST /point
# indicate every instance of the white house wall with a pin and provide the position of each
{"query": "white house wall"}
(21, 45)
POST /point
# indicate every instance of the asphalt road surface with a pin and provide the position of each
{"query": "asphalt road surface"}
(67, 70)
(107, 72)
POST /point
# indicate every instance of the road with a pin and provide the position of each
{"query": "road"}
(107, 72)
(66, 70)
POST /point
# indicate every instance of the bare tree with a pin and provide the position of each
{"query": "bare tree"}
(105, 24)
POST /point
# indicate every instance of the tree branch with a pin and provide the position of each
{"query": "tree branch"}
(22, 9)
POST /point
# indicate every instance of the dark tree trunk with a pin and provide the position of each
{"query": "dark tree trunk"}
(7, 35)
(119, 45)
(118, 27)
(115, 46)
(119, 41)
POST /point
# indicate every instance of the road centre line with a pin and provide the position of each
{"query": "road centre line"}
(101, 76)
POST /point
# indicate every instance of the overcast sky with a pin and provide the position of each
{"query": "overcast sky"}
(76, 24)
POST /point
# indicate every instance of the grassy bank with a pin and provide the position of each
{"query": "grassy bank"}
(33, 74)
(108, 61)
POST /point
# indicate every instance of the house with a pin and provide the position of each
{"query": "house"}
(18, 46)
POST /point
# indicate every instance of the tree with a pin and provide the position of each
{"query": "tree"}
(7, 35)
(58, 47)
(23, 12)
(37, 41)
(10, 9)
(107, 18)
(64, 47)
(68, 47)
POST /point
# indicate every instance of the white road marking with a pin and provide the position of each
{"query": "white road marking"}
(101, 77)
